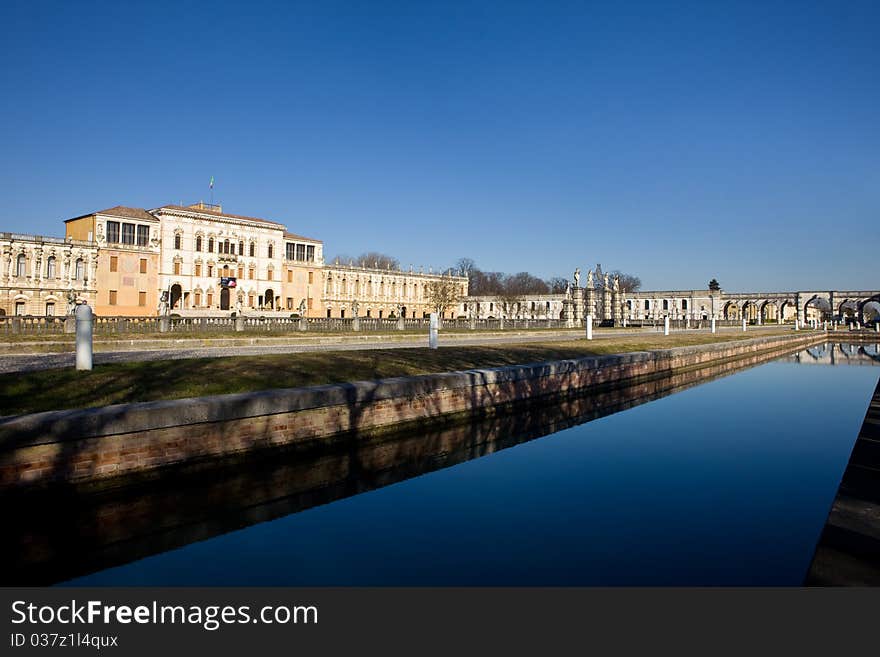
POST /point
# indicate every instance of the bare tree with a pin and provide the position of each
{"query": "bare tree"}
(557, 285)
(523, 284)
(464, 267)
(628, 282)
(444, 293)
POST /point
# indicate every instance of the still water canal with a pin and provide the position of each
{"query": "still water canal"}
(728, 482)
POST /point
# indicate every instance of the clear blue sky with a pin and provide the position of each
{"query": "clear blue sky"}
(675, 141)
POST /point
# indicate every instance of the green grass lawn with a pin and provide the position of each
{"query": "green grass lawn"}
(31, 392)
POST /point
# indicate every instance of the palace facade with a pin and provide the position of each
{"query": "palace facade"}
(196, 260)
(383, 293)
(45, 275)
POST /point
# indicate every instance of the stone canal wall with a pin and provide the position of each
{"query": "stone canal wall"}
(90, 445)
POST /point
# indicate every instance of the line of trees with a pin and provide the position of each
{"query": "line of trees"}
(499, 284)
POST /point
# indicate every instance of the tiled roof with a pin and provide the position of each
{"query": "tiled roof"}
(293, 236)
(218, 214)
(121, 211)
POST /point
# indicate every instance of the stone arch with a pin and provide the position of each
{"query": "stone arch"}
(749, 311)
(847, 310)
(769, 311)
(821, 308)
(870, 310)
(731, 310)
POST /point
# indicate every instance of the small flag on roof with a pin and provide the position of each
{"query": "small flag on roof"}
(211, 184)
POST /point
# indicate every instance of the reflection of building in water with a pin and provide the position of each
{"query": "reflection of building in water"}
(839, 353)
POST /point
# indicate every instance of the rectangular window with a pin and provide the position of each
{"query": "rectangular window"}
(300, 251)
(310, 253)
(142, 298)
(114, 263)
(290, 276)
(241, 272)
(50, 309)
(143, 235)
(143, 265)
(289, 303)
(250, 301)
(113, 232)
(198, 269)
(310, 304)
(210, 299)
(251, 273)
(128, 233)
(177, 268)
(289, 250)
(198, 296)
(19, 308)
(269, 275)
(112, 297)
(311, 277)
(210, 271)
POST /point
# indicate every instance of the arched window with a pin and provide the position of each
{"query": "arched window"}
(50, 267)
(198, 243)
(647, 304)
(80, 269)
(269, 251)
(684, 304)
(665, 304)
(21, 265)
(226, 246)
(177, 241)
(210, 245)
(241, 248)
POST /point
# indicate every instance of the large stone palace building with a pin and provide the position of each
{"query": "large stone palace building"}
(196, 260)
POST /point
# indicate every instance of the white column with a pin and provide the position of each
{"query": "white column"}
(666, 325)
(744, 323)
(589, 321)
(713, 325)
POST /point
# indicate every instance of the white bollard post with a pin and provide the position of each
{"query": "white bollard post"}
(83, 337)
(825, 325)
(713, 325)
(797, 325)
(589, 322)
(744, 323)
(432, 331)
(666, 325)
